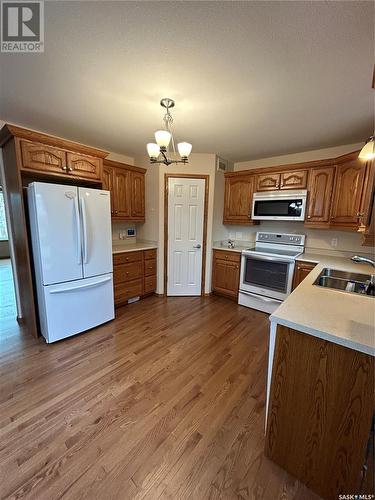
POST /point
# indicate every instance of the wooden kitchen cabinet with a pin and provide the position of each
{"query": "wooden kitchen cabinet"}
(301, 270)
(42, 157)
(238, 199)
(293, 180)
(85, 166)
(320, 412)
(347, 193)
(267, 182)
(226, 273)
(281, 180)
(52, 160)
(319, 196)
(134, 275)
(127, 186)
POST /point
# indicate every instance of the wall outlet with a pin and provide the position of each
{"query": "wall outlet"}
(238, 235)
(232, 236)
(334, 242)
(122, 234)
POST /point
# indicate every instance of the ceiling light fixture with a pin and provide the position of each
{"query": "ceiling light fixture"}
(163, 139)
(368, 150)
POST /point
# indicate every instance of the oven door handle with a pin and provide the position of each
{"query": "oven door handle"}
(261, 297)
(268, 258)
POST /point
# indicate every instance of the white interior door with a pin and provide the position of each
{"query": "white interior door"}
(96, 231)
(185, 235)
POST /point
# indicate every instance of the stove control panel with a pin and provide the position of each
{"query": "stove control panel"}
(285, 239)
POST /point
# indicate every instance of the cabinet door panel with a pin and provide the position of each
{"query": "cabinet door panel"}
(320, 194)
(122, 187)
(348, 193)
(138, 195)
(302, 269)
(85, 166)
(267, 182)
(226, 273)
(238, 199)
(294, 180)
(108, 184)
(44, 158)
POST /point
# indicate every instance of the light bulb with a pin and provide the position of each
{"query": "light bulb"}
(184, 149)
(368, 150)
(163, 137)
(153, 150)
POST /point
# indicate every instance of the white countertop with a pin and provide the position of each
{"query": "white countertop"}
(237, 249)
(121, 248)
(344, 318)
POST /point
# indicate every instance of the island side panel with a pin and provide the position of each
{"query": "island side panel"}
(320, 411)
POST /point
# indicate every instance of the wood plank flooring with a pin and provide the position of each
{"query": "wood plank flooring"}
(167, 402)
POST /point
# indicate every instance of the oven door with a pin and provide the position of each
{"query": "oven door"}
(267, 275)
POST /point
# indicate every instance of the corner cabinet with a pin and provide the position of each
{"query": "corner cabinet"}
(127, 186)
(226, 273)
(238, 199)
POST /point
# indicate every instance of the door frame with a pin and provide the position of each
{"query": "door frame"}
(206, 178)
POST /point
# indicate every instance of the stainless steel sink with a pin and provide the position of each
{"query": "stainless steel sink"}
(346, 282)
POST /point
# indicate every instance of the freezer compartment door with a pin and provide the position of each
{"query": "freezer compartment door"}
(96, 231)
(76, 306)
(55, 232)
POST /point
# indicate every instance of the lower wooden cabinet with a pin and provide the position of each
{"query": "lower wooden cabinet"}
(301, 270)
(134, 275)
(226, 273)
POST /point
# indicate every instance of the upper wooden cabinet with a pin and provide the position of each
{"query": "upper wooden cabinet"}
(84, 166)
(293, 180)
(44, 158)
(127, 186)
(50, 160)
(319, 198)
(348, 191)
(281, 180)
(267, 182)
(238, 199)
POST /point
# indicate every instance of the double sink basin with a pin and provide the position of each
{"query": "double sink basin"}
(346, 282)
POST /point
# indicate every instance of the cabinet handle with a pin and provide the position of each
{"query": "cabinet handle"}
(65, 168)
(116, 212)
(282, 185)
(277, 186)
(360, 214)
(112, 212)
(309, 216)
(70, 169)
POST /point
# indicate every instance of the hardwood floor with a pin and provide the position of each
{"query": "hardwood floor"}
(167, 401)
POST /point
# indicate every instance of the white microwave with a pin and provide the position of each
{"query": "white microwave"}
(279, 205)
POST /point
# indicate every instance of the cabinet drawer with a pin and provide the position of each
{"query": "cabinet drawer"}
(127, 272)
(150, 284)
(150, 254)
(228, 256)
(150, 267)
(125, 291)
(44, 158)
(124, 258)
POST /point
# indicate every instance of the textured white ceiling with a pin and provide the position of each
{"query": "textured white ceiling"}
(251, 79)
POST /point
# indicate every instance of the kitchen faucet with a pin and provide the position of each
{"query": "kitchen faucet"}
(358, 258)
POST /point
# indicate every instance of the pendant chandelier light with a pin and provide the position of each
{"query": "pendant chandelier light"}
(158, 152)
(368, 150)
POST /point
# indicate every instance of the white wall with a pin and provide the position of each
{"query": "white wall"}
(317, 239)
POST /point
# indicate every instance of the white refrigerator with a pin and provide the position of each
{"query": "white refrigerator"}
(72, 251)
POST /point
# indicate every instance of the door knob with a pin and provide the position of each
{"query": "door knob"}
(197, 246)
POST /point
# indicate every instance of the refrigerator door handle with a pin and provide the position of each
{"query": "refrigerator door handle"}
(78, 226)
(84, 226)
(79, 287)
